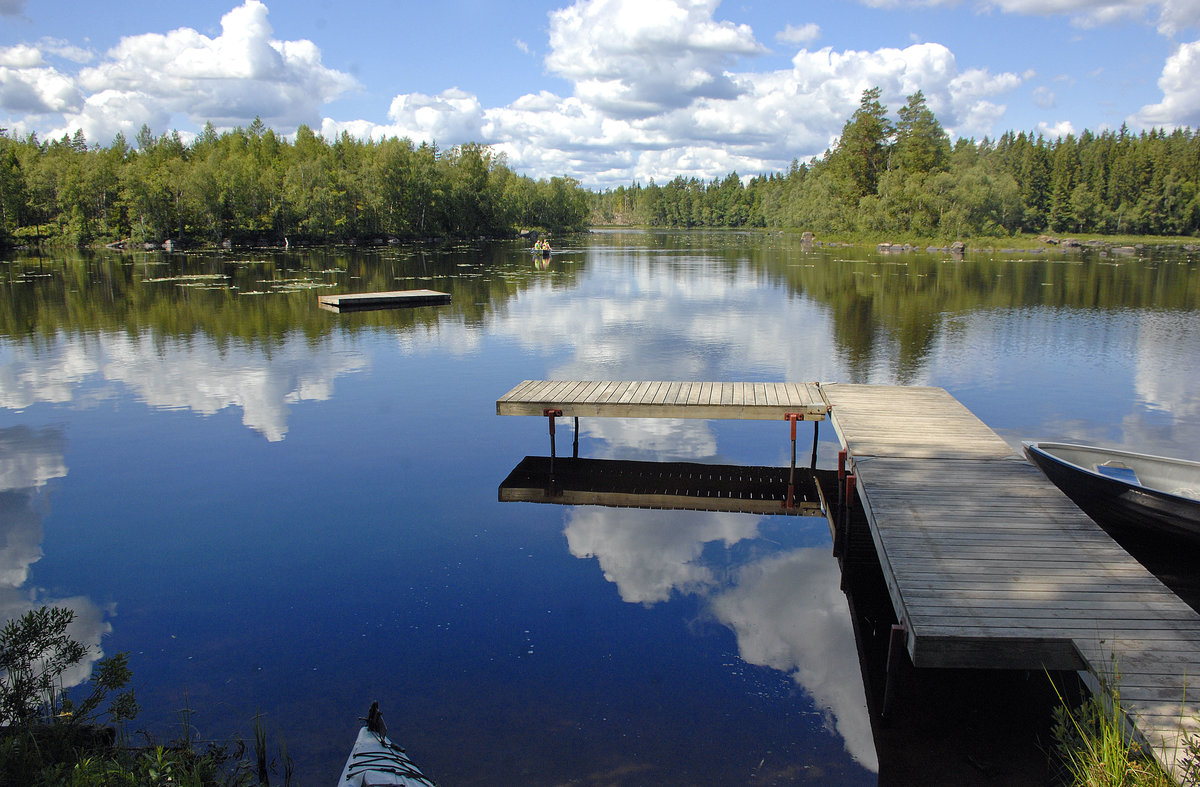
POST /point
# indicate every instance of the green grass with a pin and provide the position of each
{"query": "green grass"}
(1096, 744)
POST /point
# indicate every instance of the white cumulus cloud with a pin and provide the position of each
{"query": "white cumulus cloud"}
(1058, 130)
(21, 56)
(832, 83)
(803, 34)
(758, 122)
(1181, 92)
(229, 79)
(637, 58)
(37, 91)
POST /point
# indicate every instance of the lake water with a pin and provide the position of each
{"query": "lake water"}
(283, 511)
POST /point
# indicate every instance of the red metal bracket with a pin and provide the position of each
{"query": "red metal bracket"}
(791, 490)
(551, 415)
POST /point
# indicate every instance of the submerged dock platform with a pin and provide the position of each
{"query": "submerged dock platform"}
(396, 299)
(680, 486)
(987, 564)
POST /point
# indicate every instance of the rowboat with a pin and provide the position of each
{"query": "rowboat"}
(1125, 491)
(376, 761)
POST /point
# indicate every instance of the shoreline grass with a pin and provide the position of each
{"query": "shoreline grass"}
(1097, 745)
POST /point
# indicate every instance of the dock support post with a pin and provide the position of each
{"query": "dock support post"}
(575, 445)
(791, 490)
(841, 538)
(841, 479)
(895, 648)
(551, 415)
(816, 434)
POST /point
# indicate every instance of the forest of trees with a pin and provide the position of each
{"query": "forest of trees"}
(906, 177)
(881, 176)
(253, 186)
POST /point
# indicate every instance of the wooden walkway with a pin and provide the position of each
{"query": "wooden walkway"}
(989, 565)
(632, 399)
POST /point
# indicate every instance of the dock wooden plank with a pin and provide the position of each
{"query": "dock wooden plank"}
(910, 421)
(615, 392)
(599, 392)
(631, 393)
(588, 392)
(518, 391)
(792, 395)
(560, 390)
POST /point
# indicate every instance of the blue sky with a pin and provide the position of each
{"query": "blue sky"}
(606, 91)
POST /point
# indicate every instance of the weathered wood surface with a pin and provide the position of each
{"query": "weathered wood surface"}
(363, 301)
(664, 399)
(991, 566)
(909, 421)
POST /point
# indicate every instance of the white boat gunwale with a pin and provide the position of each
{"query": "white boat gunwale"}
(1146, 481)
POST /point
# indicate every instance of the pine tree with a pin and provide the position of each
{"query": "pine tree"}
(861, 154)
(921, 142)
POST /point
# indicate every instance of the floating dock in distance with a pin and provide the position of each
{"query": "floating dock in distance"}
(396, 299)
(659, 399)
(679, 486)
(989, 565)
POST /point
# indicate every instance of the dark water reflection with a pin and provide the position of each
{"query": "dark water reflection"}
(281, 510)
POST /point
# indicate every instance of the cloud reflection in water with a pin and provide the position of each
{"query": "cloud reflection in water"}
(29, 460)
(789, 614)
(193, 373)
(787, 609)
(650, 554)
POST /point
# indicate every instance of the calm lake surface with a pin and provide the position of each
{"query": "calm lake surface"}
(283, 511)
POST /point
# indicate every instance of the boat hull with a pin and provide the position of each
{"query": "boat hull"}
(376, 761)
(1120, 506)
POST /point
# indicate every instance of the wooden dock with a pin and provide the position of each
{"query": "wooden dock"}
(363, 301)
(988, 565)
(633, 399)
